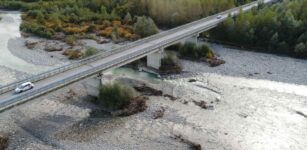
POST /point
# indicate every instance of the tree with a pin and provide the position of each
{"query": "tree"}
(103, 13)
(145, 26)
(128, 18)
(301, 49)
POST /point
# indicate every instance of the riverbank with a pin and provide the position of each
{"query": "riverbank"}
(238, 105)
(215, 111)
(23, 54)
(253, 65)
(10, 75)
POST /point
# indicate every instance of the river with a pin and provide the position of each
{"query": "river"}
(9, 29)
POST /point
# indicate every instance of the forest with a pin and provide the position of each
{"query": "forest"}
(278, 29)
(128, 19)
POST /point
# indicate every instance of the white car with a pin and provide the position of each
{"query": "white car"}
(219, 17)
(24, 87)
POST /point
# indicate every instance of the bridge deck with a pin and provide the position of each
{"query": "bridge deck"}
(61, 79)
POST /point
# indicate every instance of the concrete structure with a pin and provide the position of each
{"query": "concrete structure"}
(154, 59)
(102, 62)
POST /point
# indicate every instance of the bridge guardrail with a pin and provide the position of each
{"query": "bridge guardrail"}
(116, 62)
(101, 55)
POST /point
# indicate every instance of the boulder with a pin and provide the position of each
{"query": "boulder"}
(58, 36)
(53, 46)
(30, 45)
(214, 62)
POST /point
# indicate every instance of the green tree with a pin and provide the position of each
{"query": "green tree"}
(128, 18)
(145, 26)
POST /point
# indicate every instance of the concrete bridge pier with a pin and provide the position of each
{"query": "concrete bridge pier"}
(154, 60)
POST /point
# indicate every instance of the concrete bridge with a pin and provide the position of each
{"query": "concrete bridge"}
(152, 47)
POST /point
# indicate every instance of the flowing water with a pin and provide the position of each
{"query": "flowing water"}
(9, 29)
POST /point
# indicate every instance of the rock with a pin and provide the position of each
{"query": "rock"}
(148, 91)
(4, 141)
(24, 34)
(30, 45)
(58, 36)
(214, 62)
(170, 97)
(159, 113)
(192, 145)
(102, 41)
(203, 105)
(192, 80)
(137, 105)
(51, 47)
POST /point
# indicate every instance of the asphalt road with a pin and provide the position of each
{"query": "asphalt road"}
(129, 55)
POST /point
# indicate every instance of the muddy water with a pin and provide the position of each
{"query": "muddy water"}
(9, 29)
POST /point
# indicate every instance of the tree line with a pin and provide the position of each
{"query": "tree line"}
(279, 28)
(137, 17)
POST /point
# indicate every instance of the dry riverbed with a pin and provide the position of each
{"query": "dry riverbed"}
(215, 110)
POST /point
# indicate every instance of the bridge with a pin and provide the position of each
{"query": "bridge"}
(152, 47)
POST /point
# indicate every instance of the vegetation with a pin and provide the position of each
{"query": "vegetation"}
(90, 52)
(280, 29)
(145, 26)
(4, 141)
(74, 17)
(192, 50)
(170, 13)
(110, 18)
(170, 64)
(116, 96)
(73, 54)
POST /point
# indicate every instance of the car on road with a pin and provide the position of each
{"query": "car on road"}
(24, 87)
(219, 17)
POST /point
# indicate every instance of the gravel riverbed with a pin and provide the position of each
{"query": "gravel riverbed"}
(263, 111)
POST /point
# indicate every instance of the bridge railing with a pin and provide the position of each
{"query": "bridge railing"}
(102, 55)
(117, 62)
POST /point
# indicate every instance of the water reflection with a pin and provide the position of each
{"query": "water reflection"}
(135, 74)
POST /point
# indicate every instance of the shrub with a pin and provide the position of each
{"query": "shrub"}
(33, 27)
(193, 51)
(4, 141)
(301, 50)
(170, 64)
(70, 39)
(90, 52)
(115, 96)
(73, 54)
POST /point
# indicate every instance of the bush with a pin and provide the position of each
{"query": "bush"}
(301, 50)
(193, 51)
(4, 142)
(115, 96)
(33, 27)
(70, 39)
(170, 64)
(73, 54)
(90, 52)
